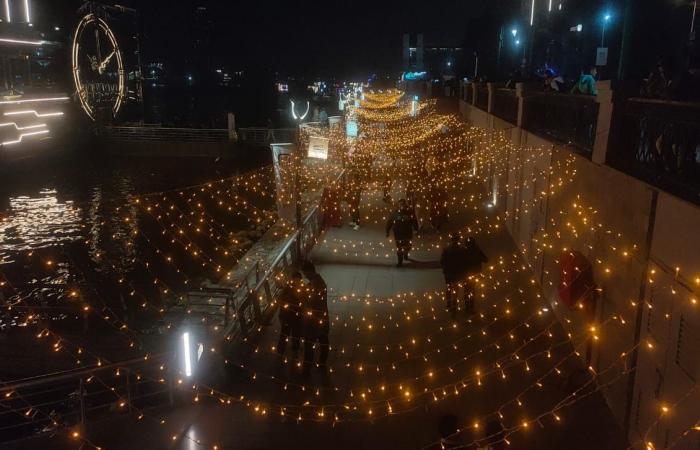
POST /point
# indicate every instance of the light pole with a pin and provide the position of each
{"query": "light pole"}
(606, 19)
(298, 118)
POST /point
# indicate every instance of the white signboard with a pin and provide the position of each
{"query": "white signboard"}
(351, 129)
(601, 57)
(283, 163)
(318, 147)
(334, 121)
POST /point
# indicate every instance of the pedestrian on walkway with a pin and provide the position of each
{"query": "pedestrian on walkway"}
(316, 325)
(290, 301)
(403, 222)
(354, 195)
(475, 258)
(453, 262)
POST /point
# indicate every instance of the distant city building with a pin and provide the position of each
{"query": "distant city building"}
(431, 55)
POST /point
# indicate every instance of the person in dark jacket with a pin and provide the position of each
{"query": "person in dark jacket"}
(453, 262)
(474, 259)
(290, 314)
(403, 222)
(315, 321)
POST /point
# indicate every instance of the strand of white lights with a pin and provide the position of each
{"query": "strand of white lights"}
(23, 135)
(34, 100)
(18, 128)
(21, 41)
(19, 113)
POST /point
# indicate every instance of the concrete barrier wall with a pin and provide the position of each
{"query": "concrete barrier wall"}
(657, 231)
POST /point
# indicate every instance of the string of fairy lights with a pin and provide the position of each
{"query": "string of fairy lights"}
(473, 167)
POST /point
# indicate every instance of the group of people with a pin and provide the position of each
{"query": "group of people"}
(461, 265)
(303, 316)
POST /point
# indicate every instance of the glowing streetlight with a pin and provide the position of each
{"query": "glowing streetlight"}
(606, 19)
(514, 32)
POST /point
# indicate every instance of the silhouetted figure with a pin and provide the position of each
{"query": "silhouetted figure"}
(454, 266)
(290, 314)
(475, 258)
(316, 325)
(354, 195)
(403, 222)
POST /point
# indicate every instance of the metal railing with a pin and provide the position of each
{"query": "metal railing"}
(160, 134)
(265, 136)
(659, 142)
(45, 404)
(505, 105)
(569, 119)
(260, 286)
(482, 96)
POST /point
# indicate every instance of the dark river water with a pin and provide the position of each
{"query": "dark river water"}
(81, 259)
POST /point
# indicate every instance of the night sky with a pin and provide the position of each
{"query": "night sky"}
(315, 38)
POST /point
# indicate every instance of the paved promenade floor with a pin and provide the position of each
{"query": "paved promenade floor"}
(390, 329)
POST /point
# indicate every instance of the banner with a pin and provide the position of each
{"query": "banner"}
(318, 147)
(283, 163)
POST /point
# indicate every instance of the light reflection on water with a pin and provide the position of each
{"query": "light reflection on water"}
(36, 222)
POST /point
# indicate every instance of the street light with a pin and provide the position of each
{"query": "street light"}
(514, 32)
(606, 19)
(297, 169)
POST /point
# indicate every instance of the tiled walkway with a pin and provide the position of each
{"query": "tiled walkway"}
(382, 335)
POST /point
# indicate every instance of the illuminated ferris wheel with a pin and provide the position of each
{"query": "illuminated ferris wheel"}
(98, 69)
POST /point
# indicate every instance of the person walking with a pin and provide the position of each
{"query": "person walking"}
(316, 325)
(474, 258)
(403, 222)
(453, 262)
(354, 195)
(290, 314)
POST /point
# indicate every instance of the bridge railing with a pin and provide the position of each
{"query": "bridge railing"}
(567, 118)
(265, 136)
(260, 285)
(659, 142)
(161, 134)
(68, 400)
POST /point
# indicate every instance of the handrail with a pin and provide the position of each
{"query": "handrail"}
(76, 373)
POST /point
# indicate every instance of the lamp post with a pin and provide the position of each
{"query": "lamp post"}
(298, 118)
(606, 19)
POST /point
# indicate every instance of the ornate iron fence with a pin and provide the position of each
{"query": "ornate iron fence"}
(482, 96)
(659, 142)
(569, 119)
(505, 105)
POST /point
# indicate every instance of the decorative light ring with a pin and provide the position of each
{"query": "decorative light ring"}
(89, 109)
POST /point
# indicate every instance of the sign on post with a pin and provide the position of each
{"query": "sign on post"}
(318, 147)
(284, 165)
(601, 57)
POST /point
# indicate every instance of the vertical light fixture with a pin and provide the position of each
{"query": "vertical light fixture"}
(26, 10)
(550, 6)
(8, 15)
(186, 352)
(532, 13)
